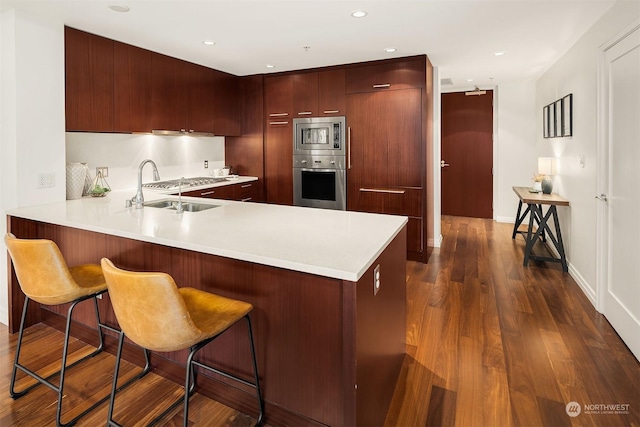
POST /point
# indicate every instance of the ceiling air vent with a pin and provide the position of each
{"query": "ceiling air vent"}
(446, 81)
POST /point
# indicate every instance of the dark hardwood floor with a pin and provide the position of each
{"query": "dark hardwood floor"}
(489, 343)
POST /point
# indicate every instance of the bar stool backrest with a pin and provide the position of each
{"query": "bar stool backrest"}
(150, 310)
(41, 270)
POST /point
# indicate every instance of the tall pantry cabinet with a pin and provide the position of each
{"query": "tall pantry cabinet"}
(386, 119)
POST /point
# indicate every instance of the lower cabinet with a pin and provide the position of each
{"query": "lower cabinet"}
(243, 192)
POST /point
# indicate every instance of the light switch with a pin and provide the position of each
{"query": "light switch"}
(581, 159)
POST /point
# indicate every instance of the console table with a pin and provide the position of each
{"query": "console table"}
(534, 202)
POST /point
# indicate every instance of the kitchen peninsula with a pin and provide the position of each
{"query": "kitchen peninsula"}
(330, 344)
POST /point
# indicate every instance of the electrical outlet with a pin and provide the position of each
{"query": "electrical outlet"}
(376, 279)
(46, 180)
(104, 170)
(206, 164)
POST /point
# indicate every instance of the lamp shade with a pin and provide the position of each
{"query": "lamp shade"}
(547, 165)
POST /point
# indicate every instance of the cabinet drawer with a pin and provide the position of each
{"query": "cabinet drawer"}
(386, 76)
(245, 192)
(392, 201)
(223, 192)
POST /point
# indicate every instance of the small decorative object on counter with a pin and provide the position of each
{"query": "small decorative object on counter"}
(76, 175)
(100, 186)
(88, 181)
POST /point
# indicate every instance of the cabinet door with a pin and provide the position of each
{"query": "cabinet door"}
(278, 96)
(168, 97)
(278, 166)
(227, 101)
(200, 87)
(305, 95)
(367, 141)
(89, 78)
(132, 88)
(331, 93)
(405, 153)
(386, 76)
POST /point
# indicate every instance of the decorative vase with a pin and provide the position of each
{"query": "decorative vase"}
(76, 175)
(537, 186)
(547, 185)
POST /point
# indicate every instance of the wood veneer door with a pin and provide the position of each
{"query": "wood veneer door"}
(278, 166)
(467, 149)
(89, 76)
(132, 88)
(278, 96)
(331, 93)
(305, 95)
(168, 97)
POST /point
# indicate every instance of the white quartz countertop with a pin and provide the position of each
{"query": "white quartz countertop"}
(336, 244)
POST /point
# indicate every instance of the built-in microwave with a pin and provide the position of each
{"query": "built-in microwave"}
(319, 136)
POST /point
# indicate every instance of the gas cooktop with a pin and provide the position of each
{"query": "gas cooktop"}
(186, 182)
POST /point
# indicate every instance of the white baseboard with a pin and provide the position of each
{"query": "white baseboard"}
(588, 291)
(435, 243)
(4, 316)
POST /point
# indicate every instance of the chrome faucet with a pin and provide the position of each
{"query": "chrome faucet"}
(179, 208)
(138, 199)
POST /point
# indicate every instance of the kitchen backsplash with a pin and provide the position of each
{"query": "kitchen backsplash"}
(175, 156)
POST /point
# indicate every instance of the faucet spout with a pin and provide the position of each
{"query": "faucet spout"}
(138, 199)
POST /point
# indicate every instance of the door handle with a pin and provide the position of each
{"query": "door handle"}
(443, 164)
(349, 147)
(603, 197)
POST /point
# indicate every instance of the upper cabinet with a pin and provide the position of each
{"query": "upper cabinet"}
(132, 88)
(331, 93)
(305, 94)
(278, 96)
(386, 76)
(89, 76)
(115, 87)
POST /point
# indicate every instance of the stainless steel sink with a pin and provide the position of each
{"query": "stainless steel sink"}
(173, 204)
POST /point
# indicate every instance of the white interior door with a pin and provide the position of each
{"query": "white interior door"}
(619, 287)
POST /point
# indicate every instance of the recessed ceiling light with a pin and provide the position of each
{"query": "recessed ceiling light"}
(499, 53)
(469, 80)
(209, 42)
(390, 49)
(270, 66)
(119, 7)
(359, 14)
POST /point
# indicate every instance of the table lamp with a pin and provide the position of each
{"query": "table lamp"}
(547, 167)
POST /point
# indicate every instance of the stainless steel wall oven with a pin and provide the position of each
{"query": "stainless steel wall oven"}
(319, 167)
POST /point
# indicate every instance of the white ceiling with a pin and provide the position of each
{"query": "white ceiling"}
(458, 36)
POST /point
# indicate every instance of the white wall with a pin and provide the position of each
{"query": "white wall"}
(32, 118)
(515, 145)
(576, 73)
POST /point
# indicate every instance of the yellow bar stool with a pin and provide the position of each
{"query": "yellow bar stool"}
(45, 278)
(157, 315)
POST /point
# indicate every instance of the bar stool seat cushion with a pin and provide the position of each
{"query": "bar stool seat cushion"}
(164, 317)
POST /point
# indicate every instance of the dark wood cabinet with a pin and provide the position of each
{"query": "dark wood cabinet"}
(386, 157)
(115, 87)
(278, 96)
(132, 88)
(331, 93)
(89, 77)
(243, 192)
(305, 95)
(409, 73)
(278, 162)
